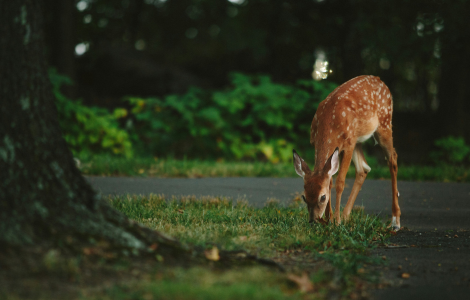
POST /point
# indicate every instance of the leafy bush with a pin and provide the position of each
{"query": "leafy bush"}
(254, 118)
(89, 130)
(451, 150)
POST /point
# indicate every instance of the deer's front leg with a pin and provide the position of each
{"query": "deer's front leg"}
(362, 169)
(329, 207)
(340, 180)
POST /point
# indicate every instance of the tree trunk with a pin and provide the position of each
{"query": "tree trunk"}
(134, 24)
(454, 88)
(43, 196)
(352, 63)
(61, 39)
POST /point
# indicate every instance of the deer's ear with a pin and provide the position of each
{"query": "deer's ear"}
(332, 164)
(301, 167)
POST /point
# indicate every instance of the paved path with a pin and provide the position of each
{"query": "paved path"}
(436, 214)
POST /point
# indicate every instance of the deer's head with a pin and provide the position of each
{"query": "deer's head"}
(316, 184)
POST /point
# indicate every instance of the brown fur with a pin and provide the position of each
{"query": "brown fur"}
(353, 112)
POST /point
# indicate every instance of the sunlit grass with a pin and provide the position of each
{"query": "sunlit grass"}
(237, 225)
(279, 233)
(151, 167)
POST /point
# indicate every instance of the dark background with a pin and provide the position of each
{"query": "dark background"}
(420, 49)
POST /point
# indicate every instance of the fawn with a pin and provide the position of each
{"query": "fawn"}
(351, 114)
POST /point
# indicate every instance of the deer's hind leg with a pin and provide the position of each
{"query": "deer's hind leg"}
(385, 140)
(362, 169)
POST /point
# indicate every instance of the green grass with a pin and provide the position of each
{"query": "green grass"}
(205, 221)
(151, 167)
(335, 257)
(329, 261)
(200, 283)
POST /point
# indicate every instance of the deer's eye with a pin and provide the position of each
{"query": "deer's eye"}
(323, 198)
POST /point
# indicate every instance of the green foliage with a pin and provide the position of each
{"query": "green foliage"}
(89, 130)
(254, 118)
(452, 150)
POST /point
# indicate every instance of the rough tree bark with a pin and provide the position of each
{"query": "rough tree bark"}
(42, 194)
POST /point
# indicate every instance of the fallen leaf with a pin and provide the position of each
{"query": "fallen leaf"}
(243, 238)
(384, 257)
(456, 236)
(303, 282)
(153, 247)
(91, 251)
(109, 255)
(405, 275)
(159, 258)
(180, 211)
(212, 254)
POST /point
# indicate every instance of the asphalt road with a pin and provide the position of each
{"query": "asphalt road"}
(436, 240)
